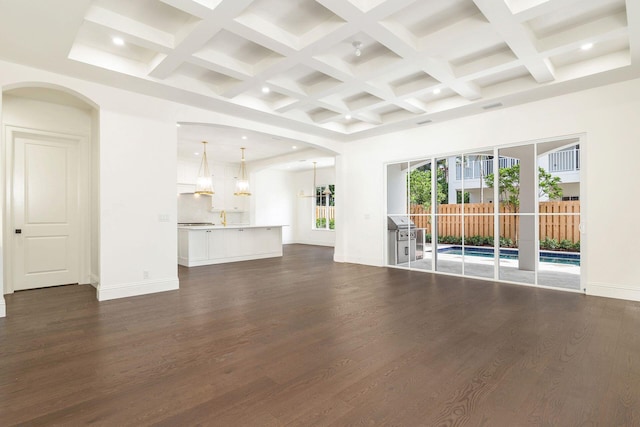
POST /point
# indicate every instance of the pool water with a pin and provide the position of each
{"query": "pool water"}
(571, 258)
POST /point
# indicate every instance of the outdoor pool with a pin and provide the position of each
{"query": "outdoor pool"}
(571, 258)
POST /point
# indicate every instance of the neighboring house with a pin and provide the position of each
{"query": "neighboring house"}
(563, 163)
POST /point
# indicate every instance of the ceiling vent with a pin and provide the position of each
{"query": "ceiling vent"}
(490, 106)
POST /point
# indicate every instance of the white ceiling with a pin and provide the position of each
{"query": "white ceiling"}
(223, 145)
(421, 61)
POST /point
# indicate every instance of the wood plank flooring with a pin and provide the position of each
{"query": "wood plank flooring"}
(303, 341)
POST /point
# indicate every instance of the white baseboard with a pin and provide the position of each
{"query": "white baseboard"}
(609, 290)
(313, 243)
(375, 262)
(186, 263)
(123, 290)
(3, 307)
(94, 281)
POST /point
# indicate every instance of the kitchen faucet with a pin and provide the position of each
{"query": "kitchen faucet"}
(223, 215)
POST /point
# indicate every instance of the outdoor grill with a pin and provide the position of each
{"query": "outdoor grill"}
(401, 239)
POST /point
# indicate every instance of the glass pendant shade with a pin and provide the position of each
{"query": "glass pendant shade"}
(204, 182)
(242, 184)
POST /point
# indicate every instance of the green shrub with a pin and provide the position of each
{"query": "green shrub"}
(506, 242)
(565, 244)
(549, 244)
(427, 238)
(332, 224)
(321, 222)
(576, 246)
(451, 240)
(488, 241)
(474, 241)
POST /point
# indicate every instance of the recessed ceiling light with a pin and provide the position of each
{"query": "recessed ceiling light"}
(196, 154)
(347, 116)
(265, 89)
(294, 147)
(118, 41)
(177, 125)
(586, 46)
(244, 136)
(437, 90)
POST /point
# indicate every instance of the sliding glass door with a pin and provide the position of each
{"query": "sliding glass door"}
(507, 213)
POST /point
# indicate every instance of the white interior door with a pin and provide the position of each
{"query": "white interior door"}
(45, 211)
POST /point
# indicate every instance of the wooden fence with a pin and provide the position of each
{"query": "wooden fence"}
(557, 220)
(326, 212)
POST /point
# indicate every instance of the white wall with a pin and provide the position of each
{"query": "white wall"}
(3, 307)
(137, 180)
(95, 198)
(608, 116)
(274, 200)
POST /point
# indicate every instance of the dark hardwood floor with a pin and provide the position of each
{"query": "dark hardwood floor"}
(303, 341)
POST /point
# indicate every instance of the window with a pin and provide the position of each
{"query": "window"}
(324, 214)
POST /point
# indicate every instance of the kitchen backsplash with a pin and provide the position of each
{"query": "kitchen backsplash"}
(193, 208)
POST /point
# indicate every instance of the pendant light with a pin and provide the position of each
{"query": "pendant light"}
(204, 183)
(326, 191)
(242, 183)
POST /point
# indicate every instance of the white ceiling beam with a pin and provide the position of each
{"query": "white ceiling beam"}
(201, 34)
(207, 62)
(368, 117)
(595, 31)
(633, 23)
(193, 7)
(412, 105)
(291, 56)
(149, 36)
(544, 8)
(518, 38)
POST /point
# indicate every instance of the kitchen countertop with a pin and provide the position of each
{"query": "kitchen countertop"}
(228, 226)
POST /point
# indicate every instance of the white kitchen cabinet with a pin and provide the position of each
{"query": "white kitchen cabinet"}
(215, 245)
(268, 239)
(198, 247)
(239, 242)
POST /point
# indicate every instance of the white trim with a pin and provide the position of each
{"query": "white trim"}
(3, 307)
(487, 279)
(374, 262)
(124, 290)
(313, 242)
(94, 281)
(610, 290)
(186, 263)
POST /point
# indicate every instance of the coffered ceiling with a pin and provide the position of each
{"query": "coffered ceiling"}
(340, 68)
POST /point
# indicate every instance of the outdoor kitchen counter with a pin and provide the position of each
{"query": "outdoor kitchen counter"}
(216, 244)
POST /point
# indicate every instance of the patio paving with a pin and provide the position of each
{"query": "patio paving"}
(564, 276)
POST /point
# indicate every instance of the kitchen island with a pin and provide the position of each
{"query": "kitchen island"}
(216, 244)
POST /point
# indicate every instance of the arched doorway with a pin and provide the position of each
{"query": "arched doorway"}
(50, 213)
